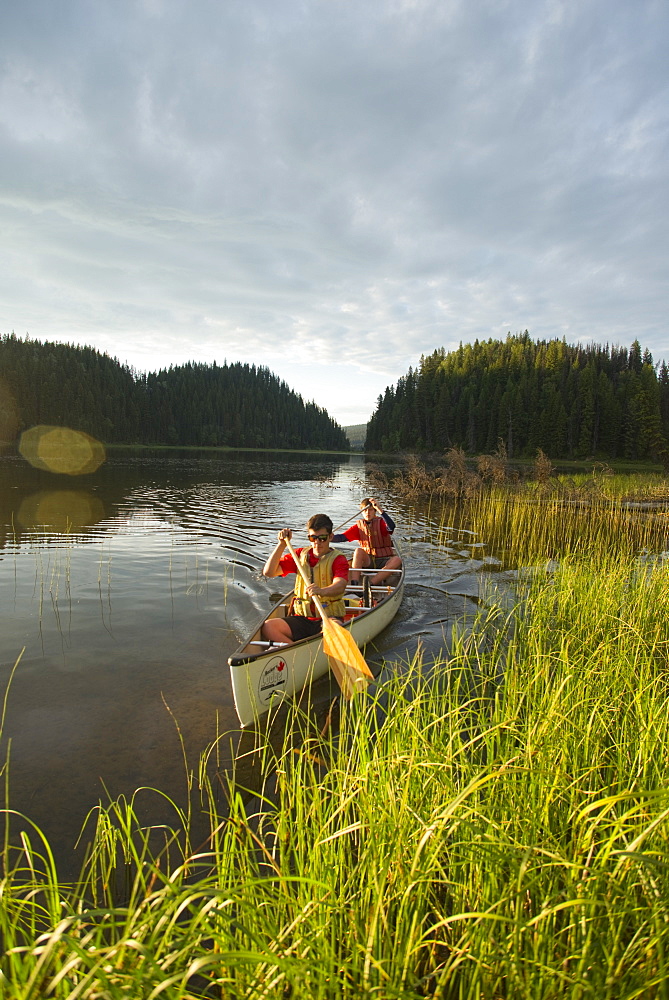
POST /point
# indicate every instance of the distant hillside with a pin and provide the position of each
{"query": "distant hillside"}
(356, 433)
(193, 404)
(571, 401)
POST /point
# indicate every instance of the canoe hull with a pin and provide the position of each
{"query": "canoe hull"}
(262, 681)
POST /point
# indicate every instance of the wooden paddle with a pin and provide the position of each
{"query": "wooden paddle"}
(355, 517)
(347, 662)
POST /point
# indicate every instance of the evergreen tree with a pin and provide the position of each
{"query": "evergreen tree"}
(569, 400)
(193, 404)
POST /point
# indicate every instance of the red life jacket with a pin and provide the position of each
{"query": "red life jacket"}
(371, 539)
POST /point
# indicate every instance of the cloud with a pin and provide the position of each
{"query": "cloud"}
(336, 188)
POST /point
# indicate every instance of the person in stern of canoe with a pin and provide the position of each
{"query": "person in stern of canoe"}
(328, 570)
(374, 532)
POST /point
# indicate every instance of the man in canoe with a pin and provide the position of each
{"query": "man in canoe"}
(325, 567)
(374, 532)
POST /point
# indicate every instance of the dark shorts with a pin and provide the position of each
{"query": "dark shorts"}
(378, 562)
(302, 628)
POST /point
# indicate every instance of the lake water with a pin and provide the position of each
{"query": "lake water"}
(125, 592)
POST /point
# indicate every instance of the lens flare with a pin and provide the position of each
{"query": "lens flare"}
(61, 450)
(61, 511)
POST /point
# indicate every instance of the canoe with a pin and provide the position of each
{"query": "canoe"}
(263, 677)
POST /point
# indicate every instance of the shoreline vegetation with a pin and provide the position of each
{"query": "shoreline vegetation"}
(491, 824)
(225, 448)
(457, 478)
(622, 465)
(517, 469)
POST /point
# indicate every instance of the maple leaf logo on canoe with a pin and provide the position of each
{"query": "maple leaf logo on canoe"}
(273, 679)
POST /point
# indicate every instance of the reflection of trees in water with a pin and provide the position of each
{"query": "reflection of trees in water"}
(34, 500)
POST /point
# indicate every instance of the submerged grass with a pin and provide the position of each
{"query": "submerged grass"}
(500, 831)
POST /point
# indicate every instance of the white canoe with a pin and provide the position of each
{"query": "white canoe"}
(261, 679)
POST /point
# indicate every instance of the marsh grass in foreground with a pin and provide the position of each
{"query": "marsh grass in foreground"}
(483, 838)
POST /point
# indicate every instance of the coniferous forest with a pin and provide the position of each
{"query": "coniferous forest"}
(235, 405)
(569, 401)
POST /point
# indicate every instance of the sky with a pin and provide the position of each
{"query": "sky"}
(331, 188)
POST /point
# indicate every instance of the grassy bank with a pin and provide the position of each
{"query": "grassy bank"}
(501, 831)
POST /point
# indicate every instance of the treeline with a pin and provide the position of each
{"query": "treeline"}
(569, 401)
(237, 405)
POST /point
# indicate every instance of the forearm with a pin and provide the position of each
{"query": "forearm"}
(337, 587)
(390, 524)
(271, 567)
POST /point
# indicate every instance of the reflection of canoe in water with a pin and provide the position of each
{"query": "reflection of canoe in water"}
(262, 677)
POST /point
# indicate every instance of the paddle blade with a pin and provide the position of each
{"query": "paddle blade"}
(347, 662)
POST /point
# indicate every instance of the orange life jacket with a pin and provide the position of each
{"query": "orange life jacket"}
(371, 539)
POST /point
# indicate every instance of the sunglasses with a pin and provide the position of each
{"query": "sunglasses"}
(318, 538)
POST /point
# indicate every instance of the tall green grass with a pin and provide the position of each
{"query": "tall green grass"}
(492, 826)
(646, 487)
(524, 527)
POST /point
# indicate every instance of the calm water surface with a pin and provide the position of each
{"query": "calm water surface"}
(126, 591)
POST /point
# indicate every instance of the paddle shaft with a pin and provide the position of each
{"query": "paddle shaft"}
(354, 518)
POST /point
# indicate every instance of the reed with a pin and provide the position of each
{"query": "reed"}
(523, 528)
(459, 478)
(647, 487)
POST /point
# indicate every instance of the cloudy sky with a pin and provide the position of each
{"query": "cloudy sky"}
(333, 187)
